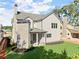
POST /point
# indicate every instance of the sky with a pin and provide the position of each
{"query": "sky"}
(30, 6)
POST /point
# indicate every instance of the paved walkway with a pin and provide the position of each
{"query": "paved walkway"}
(73, 40)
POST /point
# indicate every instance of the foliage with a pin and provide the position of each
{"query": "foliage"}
(7, 27)
(71, 11)
(53, 51)
(39, 53)
(10, 37)
(75, 56)
(76, 1)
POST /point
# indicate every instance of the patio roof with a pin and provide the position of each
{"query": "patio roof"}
(35, 30)
(74, 31)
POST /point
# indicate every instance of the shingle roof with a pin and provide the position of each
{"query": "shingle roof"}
(34, 17)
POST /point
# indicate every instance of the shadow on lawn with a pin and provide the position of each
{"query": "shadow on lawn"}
(39, 53)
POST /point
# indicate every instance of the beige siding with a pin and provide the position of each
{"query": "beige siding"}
(46, 25)
(24, 31)
(68, 34)
(31, 23)
(38, 25)
(55, 33)
(14, 38)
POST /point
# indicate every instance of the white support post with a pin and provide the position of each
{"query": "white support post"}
(33, 25)
(37, 39)
(45, 39)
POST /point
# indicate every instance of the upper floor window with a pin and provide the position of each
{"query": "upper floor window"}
(22, 21)
(53, 25)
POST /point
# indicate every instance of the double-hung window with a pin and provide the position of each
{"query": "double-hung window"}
(54, 25)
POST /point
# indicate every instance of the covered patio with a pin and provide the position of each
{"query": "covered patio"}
(38, 37)
(75, 33)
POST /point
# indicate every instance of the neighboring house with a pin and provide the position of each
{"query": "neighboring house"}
(70, 31)
(73, 32)
(32, 29)
(1, 32)
(7, 33)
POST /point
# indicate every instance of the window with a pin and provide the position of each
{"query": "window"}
(60, 27)
(22, 21)
(61, 33)
(68, 33)
(48, 35)
(18, 38)
(18, 12)
(53, 25)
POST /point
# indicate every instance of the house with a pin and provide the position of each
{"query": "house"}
(33, 30)
(7, 33)
(1, 32)
(72, 32)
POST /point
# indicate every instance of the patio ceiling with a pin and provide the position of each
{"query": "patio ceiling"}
(35, 30)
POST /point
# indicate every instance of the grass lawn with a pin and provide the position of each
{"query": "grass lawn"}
(53, 51)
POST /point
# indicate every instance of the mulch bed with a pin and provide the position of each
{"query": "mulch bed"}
(3, 54)
(4, 43)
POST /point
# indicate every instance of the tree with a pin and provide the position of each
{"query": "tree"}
(71, 11)
(7, 27)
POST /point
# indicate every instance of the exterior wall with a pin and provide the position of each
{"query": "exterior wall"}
(46, 26)
(68, 34)
(14, 38)
(14, 21)
(31, 23)
(7, 34)
(42, 38)
(23, 36)
(38, 25)
(55, 33)
(64, 28)
(61, 31)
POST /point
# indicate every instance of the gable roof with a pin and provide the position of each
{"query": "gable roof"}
(35, 17)
(56, 15)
